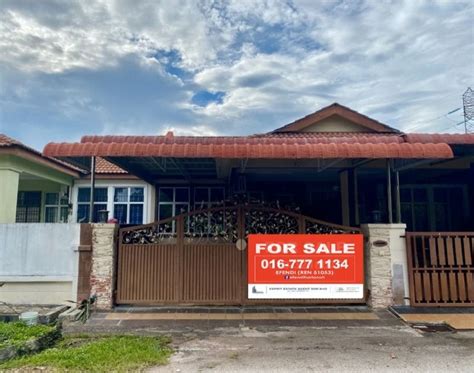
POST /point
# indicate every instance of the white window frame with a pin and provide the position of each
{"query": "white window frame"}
(128, 203)
(58, 206)
(110, 185)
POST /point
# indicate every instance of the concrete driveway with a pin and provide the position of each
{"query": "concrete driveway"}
(321, 349)
(291, 340)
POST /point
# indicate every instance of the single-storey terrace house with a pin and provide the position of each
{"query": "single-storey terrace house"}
(330, 171)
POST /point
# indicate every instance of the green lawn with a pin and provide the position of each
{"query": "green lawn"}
(98, 354)
(17, 333)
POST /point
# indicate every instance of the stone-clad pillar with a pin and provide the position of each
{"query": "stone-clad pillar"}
(103, 253)
(386, 264)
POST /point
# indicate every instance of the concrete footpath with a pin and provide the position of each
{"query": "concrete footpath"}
(292, 340)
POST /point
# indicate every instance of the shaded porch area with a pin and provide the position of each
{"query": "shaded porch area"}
(33, 188)
(426, 194)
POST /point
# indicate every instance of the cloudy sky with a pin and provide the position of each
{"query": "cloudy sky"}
(69, 68)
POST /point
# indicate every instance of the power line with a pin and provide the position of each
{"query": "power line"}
(453, 126)
(453, 111)
(425, 122)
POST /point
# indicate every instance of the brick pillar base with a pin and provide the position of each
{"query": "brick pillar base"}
(102, 275)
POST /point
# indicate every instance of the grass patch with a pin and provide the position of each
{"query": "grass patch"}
(17, 333)
(98, 354)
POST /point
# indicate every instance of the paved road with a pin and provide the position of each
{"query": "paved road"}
(321, 349)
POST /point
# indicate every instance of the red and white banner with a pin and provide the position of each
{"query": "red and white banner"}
(305, 266)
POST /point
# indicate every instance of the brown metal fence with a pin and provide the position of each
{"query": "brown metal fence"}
(199, 257)
(441, 268)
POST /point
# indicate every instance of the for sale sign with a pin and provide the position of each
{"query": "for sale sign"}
(305, 266)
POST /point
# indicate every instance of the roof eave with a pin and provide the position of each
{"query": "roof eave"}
(23, 152)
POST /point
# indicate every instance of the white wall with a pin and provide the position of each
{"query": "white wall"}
(38, 263)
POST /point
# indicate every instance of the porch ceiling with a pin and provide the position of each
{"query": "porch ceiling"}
(152, 168)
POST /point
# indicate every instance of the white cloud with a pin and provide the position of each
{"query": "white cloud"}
(187, 130)
(402, 62)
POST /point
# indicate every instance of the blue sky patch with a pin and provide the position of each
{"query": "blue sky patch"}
(204, 98)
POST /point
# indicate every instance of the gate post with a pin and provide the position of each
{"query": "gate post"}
(104, 238)
(386, 264)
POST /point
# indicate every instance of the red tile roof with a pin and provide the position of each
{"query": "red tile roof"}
(8, 141)
(265, 146)
(377, 140)
(273, 138)
(436, 138)
(102, 166)
(245, 147)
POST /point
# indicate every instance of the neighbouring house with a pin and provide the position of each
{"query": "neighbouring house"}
(40, 189)
(33, 188)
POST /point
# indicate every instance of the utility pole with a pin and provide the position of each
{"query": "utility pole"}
(468, 105)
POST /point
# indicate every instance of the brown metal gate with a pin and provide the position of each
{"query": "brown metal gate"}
(199, 257)
(441, 268)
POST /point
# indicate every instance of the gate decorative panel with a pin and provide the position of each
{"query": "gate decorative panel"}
(270, 221)
(441, 268)
(198, 257)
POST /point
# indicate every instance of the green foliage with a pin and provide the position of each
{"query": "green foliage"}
(17, 333)
(99, 354)
(84, 306)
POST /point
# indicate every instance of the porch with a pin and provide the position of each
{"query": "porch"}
(425, 197)
(33, 188)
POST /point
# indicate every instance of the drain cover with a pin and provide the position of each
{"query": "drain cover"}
(432, 328)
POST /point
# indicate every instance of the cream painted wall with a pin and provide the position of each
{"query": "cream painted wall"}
(335, 124)
(44, 293)
(8, 195)
(41, 171)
